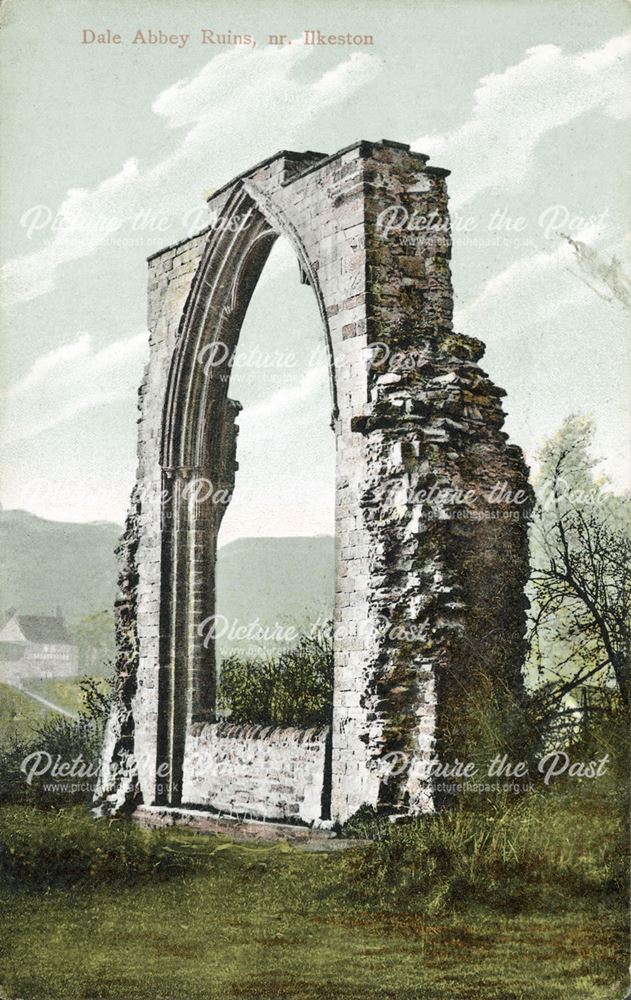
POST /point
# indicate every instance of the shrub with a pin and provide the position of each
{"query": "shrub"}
(67, 846)
(60, 737)
(294, 688)
(366, 824)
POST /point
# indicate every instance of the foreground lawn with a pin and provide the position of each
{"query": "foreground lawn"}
(261, 922)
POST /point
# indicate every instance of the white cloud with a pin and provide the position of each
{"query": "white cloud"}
(281, 262)
(231, 107)
(262, 415)
(511, 296)
(340, 82)
(515, 109)
(76, 377)
(69, 380)
(557, 345)
(286, 477)
(84, 221)
(534, 287)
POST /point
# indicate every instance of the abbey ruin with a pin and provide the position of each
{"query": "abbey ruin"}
(429, 607)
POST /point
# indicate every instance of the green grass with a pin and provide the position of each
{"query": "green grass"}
(48, 847)
(232, 934)
(541, 848)
(199, 918)
(19, 715)
(64, 692)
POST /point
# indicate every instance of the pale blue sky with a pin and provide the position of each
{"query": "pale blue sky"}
(526, 103)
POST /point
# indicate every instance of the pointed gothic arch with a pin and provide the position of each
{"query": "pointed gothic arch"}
(427, 602)
(198, 454)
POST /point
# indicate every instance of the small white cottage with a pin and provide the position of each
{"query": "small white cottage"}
(34, 646)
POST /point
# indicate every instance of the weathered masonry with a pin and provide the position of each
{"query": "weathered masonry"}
(432, 502)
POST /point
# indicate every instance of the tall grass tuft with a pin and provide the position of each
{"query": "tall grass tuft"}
(536, 850)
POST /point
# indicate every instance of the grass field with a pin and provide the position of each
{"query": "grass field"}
(19, 714)
(64, 692)
(510, 898)
(228, 936)
(255, 922)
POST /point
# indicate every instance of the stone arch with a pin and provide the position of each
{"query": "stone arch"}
(220, 293)
(428, 603)
(198, 454)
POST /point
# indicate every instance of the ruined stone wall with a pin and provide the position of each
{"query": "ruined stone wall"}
(264, 772)
(429, 612)
(447, 576)
(117, 787)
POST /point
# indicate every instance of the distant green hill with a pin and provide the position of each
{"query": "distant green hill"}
(284, 581)
(49, 563)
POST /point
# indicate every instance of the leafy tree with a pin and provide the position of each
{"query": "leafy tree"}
(63, 739)
(581, 581)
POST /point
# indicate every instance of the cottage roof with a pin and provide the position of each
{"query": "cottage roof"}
(43, 628)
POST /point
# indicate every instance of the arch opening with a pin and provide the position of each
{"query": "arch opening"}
(275, 548)
(199, 462)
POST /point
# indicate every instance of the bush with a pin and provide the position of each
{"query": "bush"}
(294, 688)
(61, 738)
(366, 824)
(68, 846)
